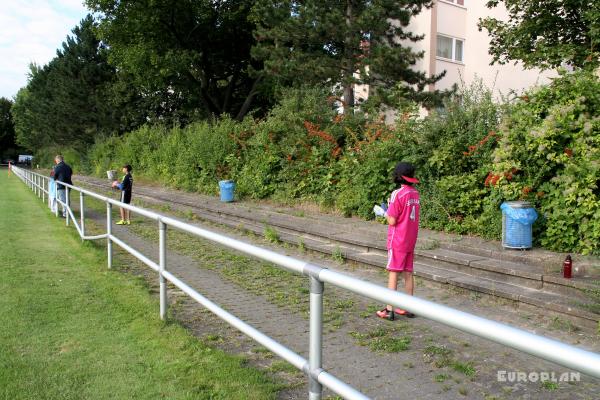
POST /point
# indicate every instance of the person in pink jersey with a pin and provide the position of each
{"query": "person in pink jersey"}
(402, 215)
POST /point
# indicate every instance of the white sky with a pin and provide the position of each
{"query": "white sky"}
(32, 31)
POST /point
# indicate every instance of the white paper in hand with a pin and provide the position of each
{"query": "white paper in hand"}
(380, 212)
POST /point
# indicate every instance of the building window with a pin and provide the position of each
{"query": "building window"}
(459, 2)
(450, 48)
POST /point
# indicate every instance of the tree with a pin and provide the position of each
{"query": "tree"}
(345, 43)
(8, 147)
(545, 33)
(7, 128)
(67, 102)
(193, 55)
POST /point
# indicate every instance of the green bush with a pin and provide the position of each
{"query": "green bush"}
(550, 155)
(365, 177)
(452, 151)
(78, 160)
(470, 157)
(459, 138)
(462, 204)
(294, 152)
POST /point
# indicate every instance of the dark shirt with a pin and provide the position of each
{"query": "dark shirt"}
(127, 183)
(62, 172)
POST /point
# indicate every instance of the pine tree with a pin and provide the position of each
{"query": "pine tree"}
(8, 146)
(67, 102)
(344, 43)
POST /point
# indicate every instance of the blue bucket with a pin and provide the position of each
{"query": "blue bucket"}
(517, 220)
(227, 189)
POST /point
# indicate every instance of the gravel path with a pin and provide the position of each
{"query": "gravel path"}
(415, 373)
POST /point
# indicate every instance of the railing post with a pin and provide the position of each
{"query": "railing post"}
(162, 239)
(109, 233)
(67, 205)
(81, 216)
(316, 337)
(43, 188)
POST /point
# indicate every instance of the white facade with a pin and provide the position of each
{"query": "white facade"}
(456, 45)
(453, 43)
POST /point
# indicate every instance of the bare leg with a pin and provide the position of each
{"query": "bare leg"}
(409, 282)
(122, 212)
(127, 214)
(392, 284)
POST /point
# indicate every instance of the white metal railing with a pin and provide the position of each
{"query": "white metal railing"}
(545, 348)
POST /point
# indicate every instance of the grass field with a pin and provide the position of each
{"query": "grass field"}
(73, 330)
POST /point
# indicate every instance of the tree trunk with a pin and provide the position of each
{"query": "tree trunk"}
(348, 98)
(246, 106)
(348, 63)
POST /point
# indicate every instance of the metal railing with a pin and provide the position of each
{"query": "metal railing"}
(545, 348)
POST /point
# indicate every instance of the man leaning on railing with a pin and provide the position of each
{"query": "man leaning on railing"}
(61, 172)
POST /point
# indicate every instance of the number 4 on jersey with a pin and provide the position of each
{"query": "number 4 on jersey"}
(413, 213)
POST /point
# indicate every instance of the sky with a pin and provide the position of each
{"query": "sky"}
(32, 31)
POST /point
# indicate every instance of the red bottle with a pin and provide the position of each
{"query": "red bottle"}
(567, 267)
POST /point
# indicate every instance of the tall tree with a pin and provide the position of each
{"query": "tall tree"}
(546, 33)
(7, 127)
(31, 105)
(66, 102)
(344, 43)
(8, 146)
(195, 54)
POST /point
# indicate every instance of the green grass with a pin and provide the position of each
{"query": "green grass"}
(382, 339)
(466, 368)
(71, 329)
(391, 344)
(281, 287)
(301, 245)
(283, 366)
(549, 385)
(337, 255)
(563, 325)
(435, 350)
(271, 234)
(440, 356)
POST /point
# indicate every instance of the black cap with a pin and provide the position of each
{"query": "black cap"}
(405, 171)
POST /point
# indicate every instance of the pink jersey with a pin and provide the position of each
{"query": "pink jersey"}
(404, 206)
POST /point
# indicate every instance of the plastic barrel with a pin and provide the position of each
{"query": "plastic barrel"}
(226, 189)
(517, 222)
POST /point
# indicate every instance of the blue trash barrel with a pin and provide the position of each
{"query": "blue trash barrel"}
(517, 221)
(226, 189)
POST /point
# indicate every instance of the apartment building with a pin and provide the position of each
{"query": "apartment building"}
(453, 43)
